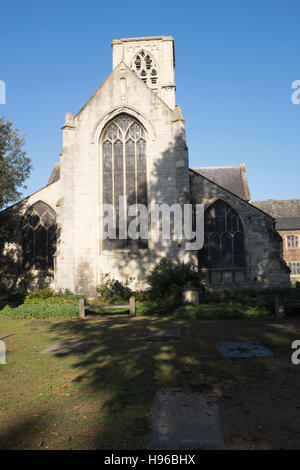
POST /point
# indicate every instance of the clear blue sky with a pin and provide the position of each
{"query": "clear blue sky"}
(235, 63)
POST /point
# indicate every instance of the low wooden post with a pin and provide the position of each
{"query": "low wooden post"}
(279, 308)
(132, 306)
(82, 308)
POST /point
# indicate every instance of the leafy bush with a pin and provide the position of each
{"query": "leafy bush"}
(40, 311)
(113, 291)
(50, 301)
(167, 281)
(44, 293)
(142, 296)
(48, 296)
(148, 307)
(220, 311)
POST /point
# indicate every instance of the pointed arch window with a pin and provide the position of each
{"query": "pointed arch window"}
(222, 257)
(38, 229)
(144, 66)
(124, 172)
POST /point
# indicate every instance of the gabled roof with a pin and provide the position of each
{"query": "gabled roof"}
(232, 178)
(196, 173)
(121, 64)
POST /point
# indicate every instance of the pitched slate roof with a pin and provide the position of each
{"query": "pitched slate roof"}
(286, 212)
(288, 223)
(232, 178)
(280, 208)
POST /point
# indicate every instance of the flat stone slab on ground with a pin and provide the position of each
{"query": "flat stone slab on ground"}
(38, 322)
(68, 347)
(240, 349)
(5, 335)
(168, 333)
(185, 420)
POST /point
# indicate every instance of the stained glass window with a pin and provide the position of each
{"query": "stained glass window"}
(124, 172)
(222, 257)
(38, 230)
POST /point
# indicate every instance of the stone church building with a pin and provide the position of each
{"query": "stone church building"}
(129, 140)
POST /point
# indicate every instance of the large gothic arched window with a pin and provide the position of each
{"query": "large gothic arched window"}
(38, 230)
(124, 171)
(222, 256)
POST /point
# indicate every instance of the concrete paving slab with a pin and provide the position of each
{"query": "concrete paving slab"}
(160, 334)
(243, 350)
(67, 347)
(185, 420)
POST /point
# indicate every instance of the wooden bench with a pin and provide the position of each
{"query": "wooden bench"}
(83, 307)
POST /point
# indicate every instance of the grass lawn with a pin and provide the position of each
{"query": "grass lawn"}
(101, 399)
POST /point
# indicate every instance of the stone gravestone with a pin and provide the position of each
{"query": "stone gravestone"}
(5, 335)
(244, 350)
(68, 347)
(185, 420)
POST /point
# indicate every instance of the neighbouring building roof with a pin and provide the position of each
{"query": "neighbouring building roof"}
(288, 223)
(232, 178)
(286, 212)
(280, 208)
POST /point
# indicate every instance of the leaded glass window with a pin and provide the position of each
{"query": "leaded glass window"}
(222, 257)
(124, 171)
(144, 66)
(295, 268)
(38, 230)
(292, 241)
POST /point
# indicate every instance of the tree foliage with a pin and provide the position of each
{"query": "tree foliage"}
(15, 166)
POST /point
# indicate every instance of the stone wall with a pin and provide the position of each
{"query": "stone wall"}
(80, 261)
(265, 267)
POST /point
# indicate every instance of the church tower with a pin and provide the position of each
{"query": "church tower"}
(153, 61)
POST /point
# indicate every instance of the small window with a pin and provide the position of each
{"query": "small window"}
(295, 268)
(292, 242)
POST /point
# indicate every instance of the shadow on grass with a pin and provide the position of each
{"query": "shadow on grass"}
(130, 369)
(22, 434)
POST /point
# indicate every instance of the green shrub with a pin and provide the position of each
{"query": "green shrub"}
(220, 311)
(48, 296)
(112, 291)
(142, 296)
(50, 301)
(147, 307)
(40, 311)
(167, 281)
(44, 293)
